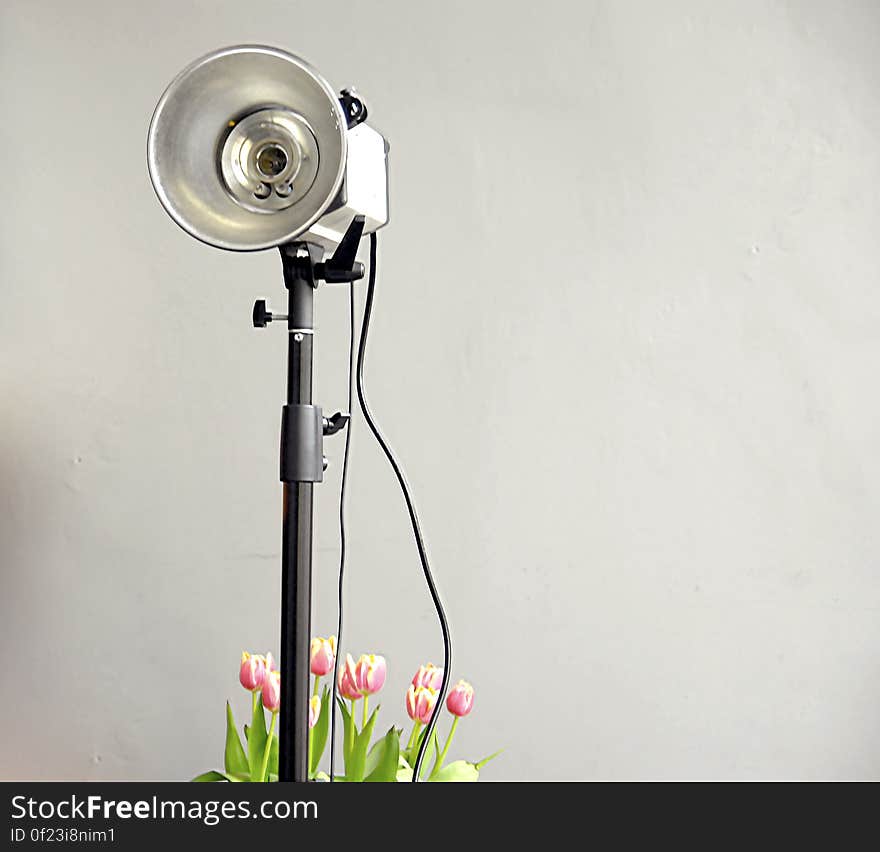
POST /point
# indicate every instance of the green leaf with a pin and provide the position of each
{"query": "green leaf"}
(236, 777)
(234, 758)
(458, 770)
(389, 758)
(436, 765)
(346, 731)
(431, 744)
(354, 769)
(413, 753)
(404, 770)
(410, 753)
(320, 731)
(272, 768)
(480, 764)
(205, 777)
(220, 776)
(256, 737)
(376, 752)
(374, 757)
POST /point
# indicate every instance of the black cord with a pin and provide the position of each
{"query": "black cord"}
(417, 533)
(342, 530)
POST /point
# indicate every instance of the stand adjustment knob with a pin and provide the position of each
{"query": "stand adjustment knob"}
(262, 316)
(334, 424)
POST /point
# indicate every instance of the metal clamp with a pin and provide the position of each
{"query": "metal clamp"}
(302, 443)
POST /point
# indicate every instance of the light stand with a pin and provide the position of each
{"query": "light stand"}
(249, 148)
(302, 465)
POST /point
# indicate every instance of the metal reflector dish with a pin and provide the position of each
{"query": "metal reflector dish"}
(247, 148)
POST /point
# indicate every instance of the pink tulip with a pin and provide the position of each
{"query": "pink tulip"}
(460, 700)
(252, 671)
(314, 710)
(411, 702)
(323, 655)
(420, 703)
(271, 665)
(346, 681)
(369, 673)
(429, 675)
(272, 691)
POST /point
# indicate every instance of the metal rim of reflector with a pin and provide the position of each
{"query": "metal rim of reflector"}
(199, 111)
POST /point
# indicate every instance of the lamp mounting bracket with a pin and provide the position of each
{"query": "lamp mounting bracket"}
(302, 262)
(354, 108)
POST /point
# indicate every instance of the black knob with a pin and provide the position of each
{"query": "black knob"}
(333, 424)
(261, 315)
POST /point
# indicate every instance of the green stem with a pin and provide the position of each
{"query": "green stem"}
(317, 685)
(254, 704)
(364, 717)
(431, 744)
(265, 765)
(417, 726)
(351, 727)
(442, 756)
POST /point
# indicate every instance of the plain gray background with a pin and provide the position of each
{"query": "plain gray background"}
(626, 343)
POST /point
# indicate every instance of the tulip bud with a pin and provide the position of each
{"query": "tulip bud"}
(429, 675)
(411, 702)
(271, 665)
(323, 655)
(272, 691)
(420, 703)
(252, 671)
(460, 700)
(369, 673)
(314, 710)
(346, 681)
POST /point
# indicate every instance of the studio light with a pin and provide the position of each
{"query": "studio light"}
(250, 148)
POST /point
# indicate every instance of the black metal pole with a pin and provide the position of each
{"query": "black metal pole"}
(302, 464)
(296, 550)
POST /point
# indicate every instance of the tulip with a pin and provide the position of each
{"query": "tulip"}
(347, 687)
(369, 677)
(411, 702)
(271, 665)
(271, 701)
(252, 671)
(460, 700)
(272, 691)
(420, 703)
(369, 673)
(345, 682)
(429, 675)
(323, 655)
(314, 710)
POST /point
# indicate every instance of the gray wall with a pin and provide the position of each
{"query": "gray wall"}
(626, 342)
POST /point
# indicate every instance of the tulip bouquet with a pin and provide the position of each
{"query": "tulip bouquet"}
(386, 758)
